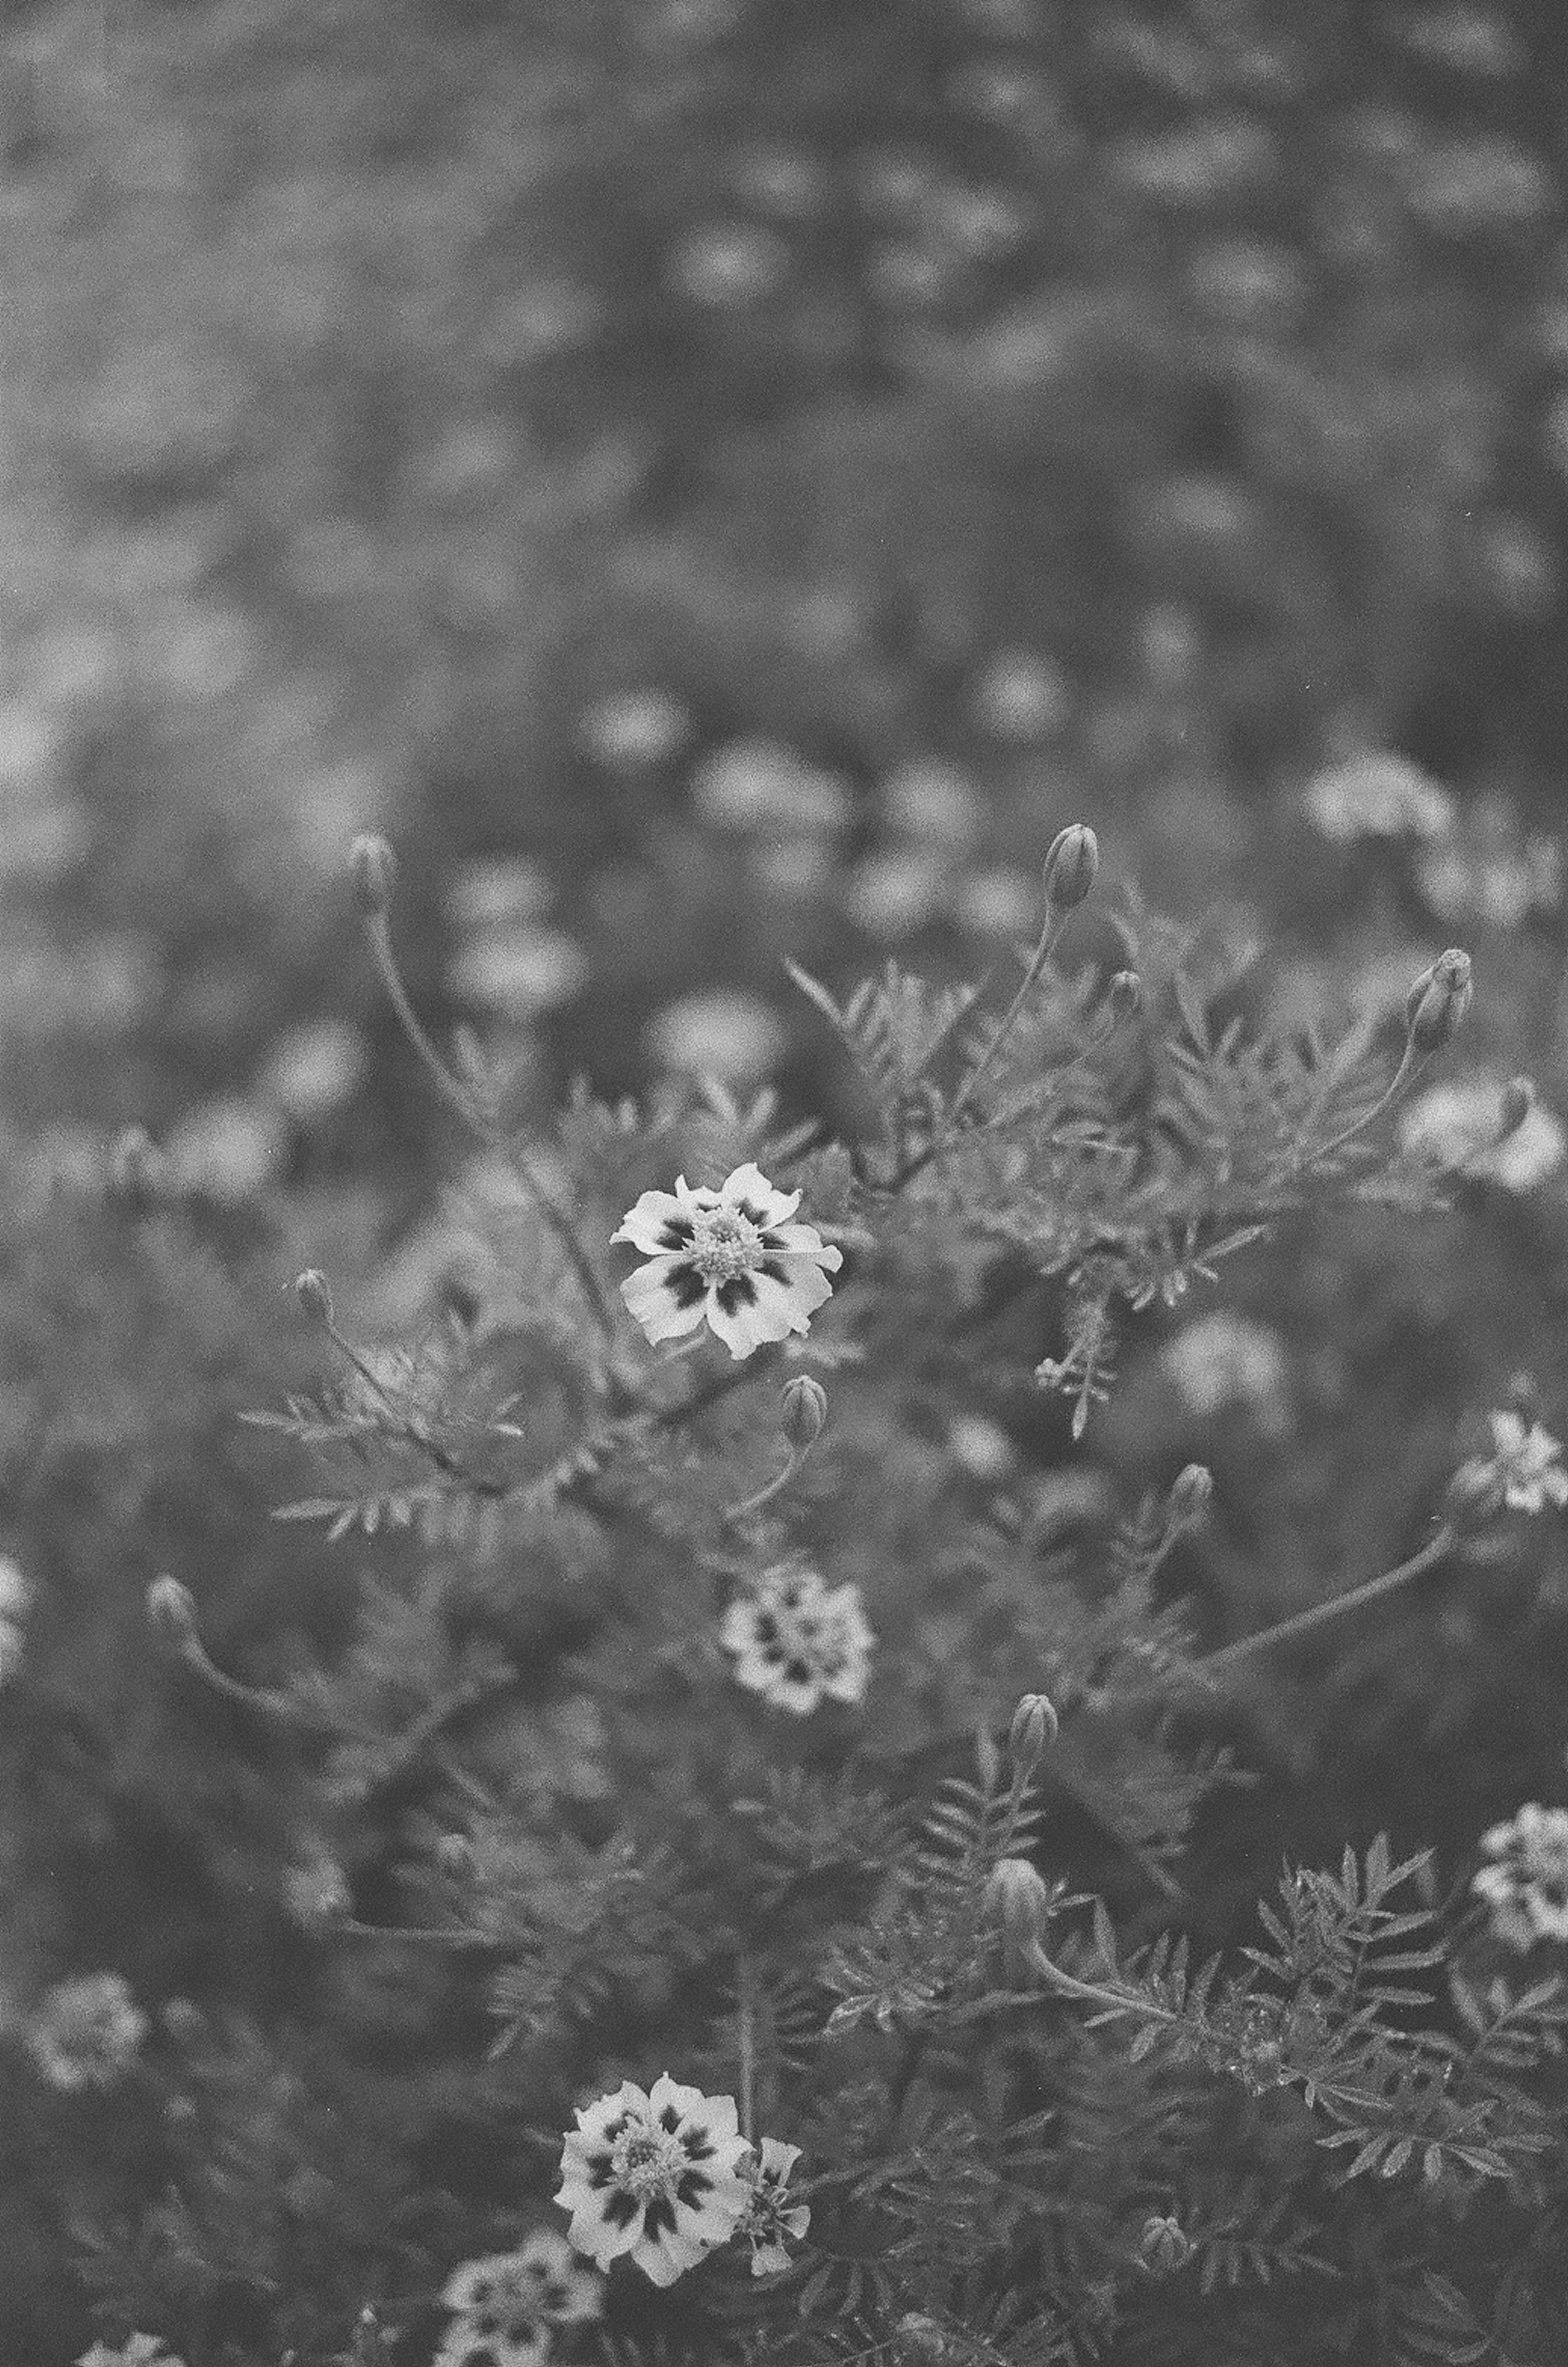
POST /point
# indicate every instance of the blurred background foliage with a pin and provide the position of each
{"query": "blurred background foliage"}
(722, 478)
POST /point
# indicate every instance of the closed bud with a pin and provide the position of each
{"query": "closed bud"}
(1474, 1496)
(315, 1299)
(1518, 1100)
(803, 1410)
(1523, 1394)
(373, 869)
(1124, 997)
(1191, 1493)
(1034, 1727)
(1071, 863)
(1017, 1902)
(139, 1173)
(1436, 1005)
(1164, 2247)
(171, 1615)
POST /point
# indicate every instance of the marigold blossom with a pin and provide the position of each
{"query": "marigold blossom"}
(1528, 1461)
(1378, 795)
(506, 2305)
(86, 2031)
(136, 2350)
(732, 1257)
(1527, 1888)
(770, 2213)
(655, 2175)
(799, 1642)
(1455, 1124)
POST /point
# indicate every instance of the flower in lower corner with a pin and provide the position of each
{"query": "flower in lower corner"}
(654, 2175)
(732, 1258)
(1529, 1462)
(86, 2031)
(769, 2215)
(797, 1641)
(1527, 1885)
(505, 2305)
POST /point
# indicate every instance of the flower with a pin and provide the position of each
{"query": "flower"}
(1378, 795)
(796, 1641)
(506, 2305)
(1527, 1888)
(231, 1148)
(1528, 1461)
(1222, 1360)
(722, 1032)
(1456, 1125)
(136, 2350)
(762, 784)
(315, 1067)
(769, 2216)
(632, 728)
(655, 2175)
(16, 1601)
(731, 1256)
(86, 2031)
(518, 968)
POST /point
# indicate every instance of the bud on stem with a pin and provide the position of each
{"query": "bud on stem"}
(1191, 1493)
(171, 1615)
(803, 1404)
(373, 869)
(1124, 997)
(1034, 1727)
(311, 1288)
(1071, 862)
(1436, 1005)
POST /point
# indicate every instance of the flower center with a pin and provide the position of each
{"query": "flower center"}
(724, 1244)
(646, 2161)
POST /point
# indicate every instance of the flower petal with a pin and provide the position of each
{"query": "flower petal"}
(658, 1295)
(643, 1225)
(749, 1184)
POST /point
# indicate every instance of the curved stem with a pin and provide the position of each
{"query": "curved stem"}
(733, 1513)
(1410, 1060)
(1303, 1621)
(1004, 1027)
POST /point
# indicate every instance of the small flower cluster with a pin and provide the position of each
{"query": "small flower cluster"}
(732, 1258)
(87, 2032)
(16, 1601)
(1527, 1885)
(505, 2308)
(797, 1641)
(664, 2176)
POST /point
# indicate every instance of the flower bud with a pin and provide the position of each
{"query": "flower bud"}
(1071, 862)
(1017, 1903)
(803, 1404)
(1191, 1493)
(171, 1615)
(1164, 2247)
(1518, 1100)
(1474, 1496)
(315, 1299)
(373, 869)
(1034, 1727)
(1436, 1005)
(1124, 997)
(139, 1173)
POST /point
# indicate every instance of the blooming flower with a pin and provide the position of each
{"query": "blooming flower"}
(1528, 1461)
(797, 1641)
(505, 2305)
(1455, 1124)
(518, 969)
(720, 1032)
(16, 1601)
(1527, 1888)
(86, 2031)
(769, 2215)
(632, 728)
(1223, 1360)
(764, 785)
(732, 1257)
(655, 2175)
(136, 2350)
(1378, 795)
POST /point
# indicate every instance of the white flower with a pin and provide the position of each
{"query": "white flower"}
(86, 2031)
(492, 890)
(1528, 1460)
(634, 728)
(1224, 1359)
(797, 1642)
(518, 969)
(895, 890)
(16, 1590)
(728, 263)
(654, 2175)
(1002, 902)
(1021, 696)
(136, 2350)
(722, 1032)
(762, 784)
(1527, 1889)
(506, 2305)
(732, 1257)
(1378, 795)
(313, 1068)
(931, 800)
(230, 1148)
(1455, 1124)
(769, 2215)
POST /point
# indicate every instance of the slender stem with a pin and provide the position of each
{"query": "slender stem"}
(1410, 1059)
(961, 1100)
(733, 1513)
(454, 1092)
(194, 1655)
(1433, 1551)
(746, 2018)
(414, 1933)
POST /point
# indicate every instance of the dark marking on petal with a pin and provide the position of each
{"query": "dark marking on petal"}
(738, 1291)
(698, 2145)
(799, 1672)
(659, 2219)
(670, 2118)
(621, 2208)
(692, 2188)
(676, 1233)
(685, 1286)
(749, 1210)
(774, 1271)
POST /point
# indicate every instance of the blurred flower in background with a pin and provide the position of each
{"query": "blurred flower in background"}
(1378, 795)
(723, 1032)
(1227, 1359)
(87, 2032)
(1525, 1886)
(1455, 1124)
